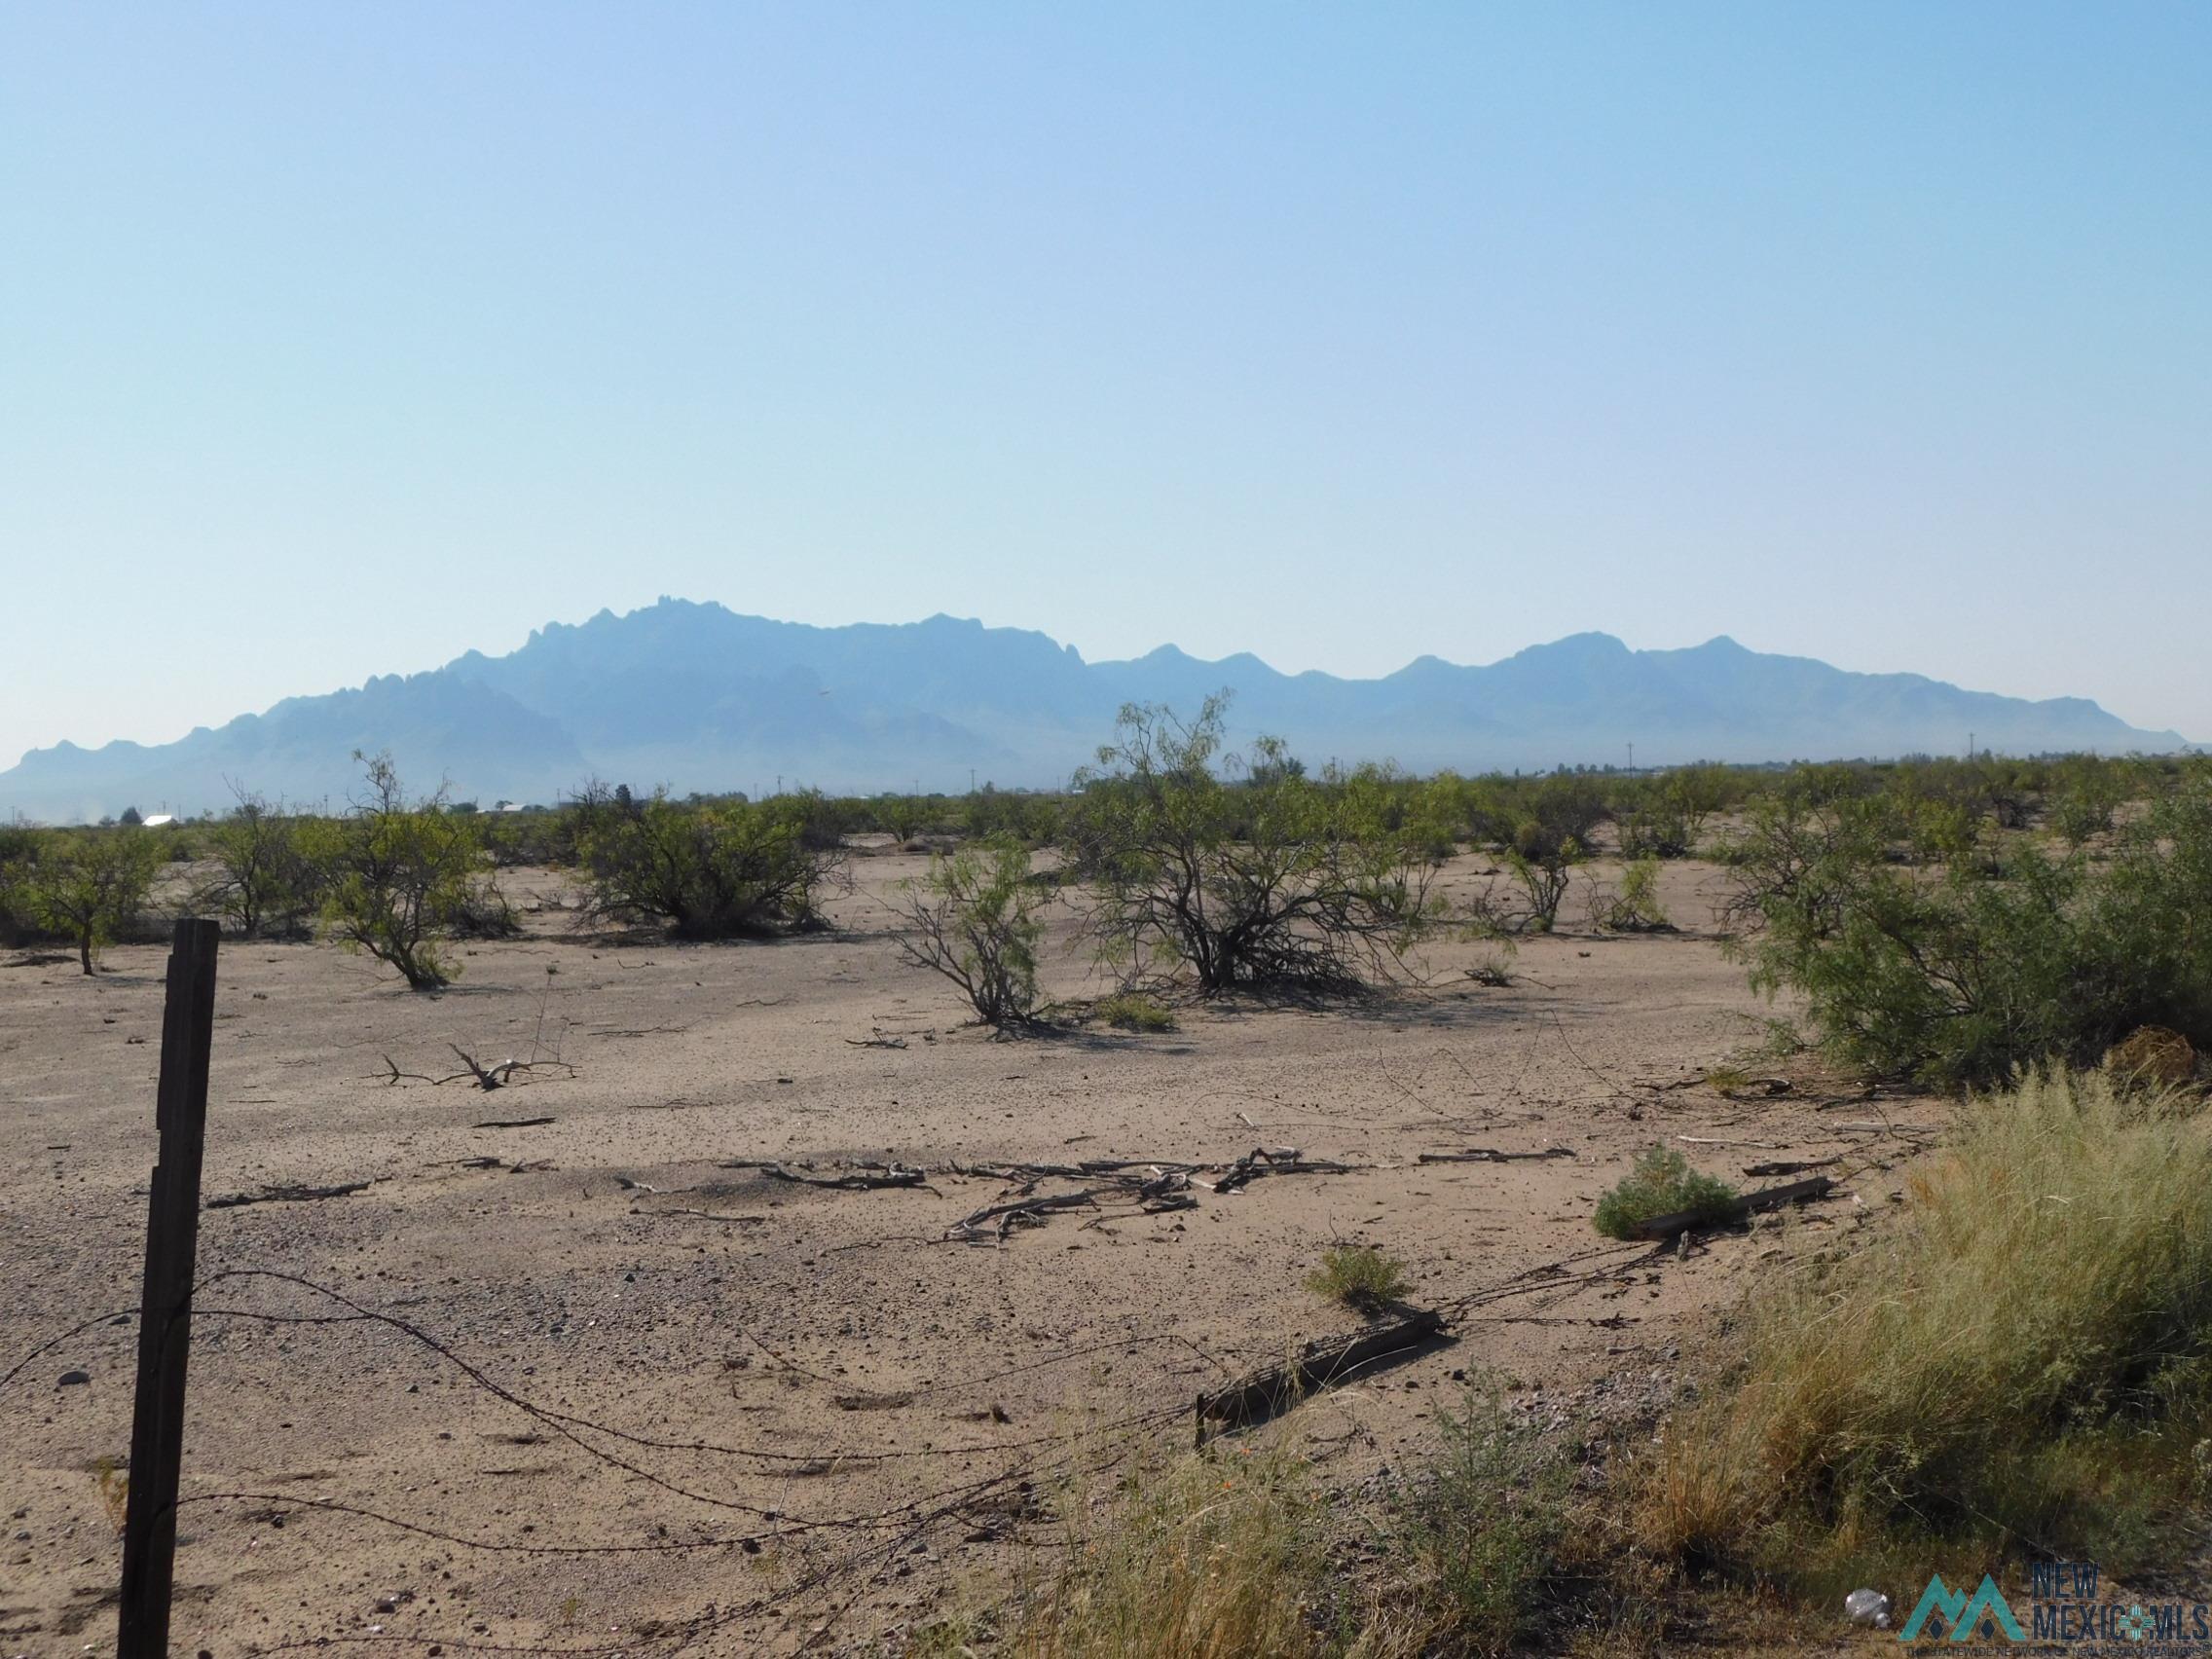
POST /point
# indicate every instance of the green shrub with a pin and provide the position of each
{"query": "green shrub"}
(1133, 1011)
(19, 851)
(1543, 878)
(1991, 958)
(1362, 1278)
(89, 886)
(1272, 879)
(264, 880)
(1665, 817)
(1634, 906)
(1483, 1528)
(396, 874)
(2025, 1363)
(707, 870)
(1661, 1183)
(976, 919)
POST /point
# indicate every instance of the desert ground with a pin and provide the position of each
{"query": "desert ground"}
(574, 1371)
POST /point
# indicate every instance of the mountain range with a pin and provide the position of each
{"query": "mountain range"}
(697, 697)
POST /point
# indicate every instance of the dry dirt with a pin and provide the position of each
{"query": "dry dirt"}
(619, 1396)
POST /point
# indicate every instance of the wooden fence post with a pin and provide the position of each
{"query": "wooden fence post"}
(165, 1313)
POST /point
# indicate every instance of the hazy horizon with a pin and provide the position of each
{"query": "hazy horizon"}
(340, 341)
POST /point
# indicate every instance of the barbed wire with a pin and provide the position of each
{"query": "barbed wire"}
(877, 1537)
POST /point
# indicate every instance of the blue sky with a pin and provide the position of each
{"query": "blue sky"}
(336, 340)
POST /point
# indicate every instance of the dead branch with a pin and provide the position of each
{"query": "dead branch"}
(1489, 1154)
(287, 1194)
(1273, 1160)
(1791, 1167)
(510, 1123)
(484, 1077)
(704, 1215)
(867, 1179)
(1263, 1394)
(878, 1039)
(967, 1230)
(1888, 1128)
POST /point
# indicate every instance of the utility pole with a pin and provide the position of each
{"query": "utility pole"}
(1632, 757)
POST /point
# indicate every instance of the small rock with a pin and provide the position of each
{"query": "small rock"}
(1868, 1607)
(71, 1378)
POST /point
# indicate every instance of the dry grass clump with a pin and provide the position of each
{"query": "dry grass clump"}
(1133, 1011)
(1213, 1558)
(1484, 1531)
(2152, 1056)
(1362, 1278)
(2027, 1360)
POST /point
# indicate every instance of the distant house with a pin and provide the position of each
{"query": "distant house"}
(155, 821)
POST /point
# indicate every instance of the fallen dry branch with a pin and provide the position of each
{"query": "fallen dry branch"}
(1749, 1203)
(1791, 1167)
(287, 1194)
(877, 1041)
(1886, 1128)
(1273, 1160)
(704, 1215)
(1263, 1394)
(511, 1124)
(865, 1179)
(1491, 1155)
(967, 1230)
(484, 1077)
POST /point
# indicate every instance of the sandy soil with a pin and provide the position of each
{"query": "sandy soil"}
(614, 1389)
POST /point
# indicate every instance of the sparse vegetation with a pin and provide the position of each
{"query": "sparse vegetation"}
(1244, 876)
(976, 919)
(264, 883)
(1133, 1011)
(1666, 817)
(1661, 1183)
(706, 871)
(19, 913)
(1365, 1279)
(1212, 1557)
(1483, 1529)
(397, 873)
(88, 885)
(2025, 1363)
(1925, 950)
(1634, 906)
(1494, 967)
(114, 1487)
